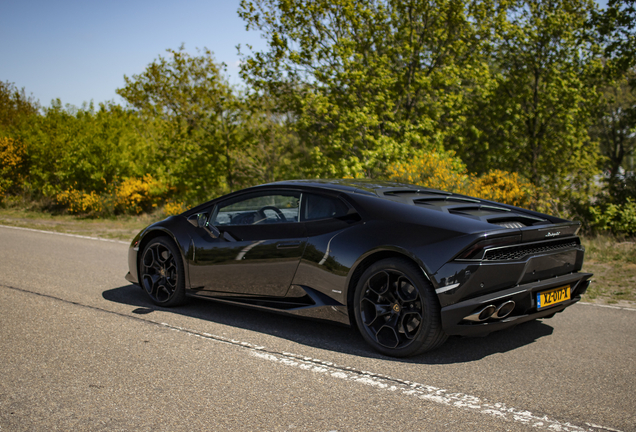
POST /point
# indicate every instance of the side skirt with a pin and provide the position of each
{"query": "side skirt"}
(313, 304)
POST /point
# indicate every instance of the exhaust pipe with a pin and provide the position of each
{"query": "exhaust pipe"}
(504, 309)
(482, 315)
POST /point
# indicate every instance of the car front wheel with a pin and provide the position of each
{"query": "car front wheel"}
(396, 309)
(162, 275)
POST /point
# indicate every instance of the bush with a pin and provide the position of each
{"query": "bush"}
(435, 170)
(172, 208)
(137, 195)
(444, 171)
(132, 196)
(12, 163)
(78, 202)
(620, 219)
(504, 187)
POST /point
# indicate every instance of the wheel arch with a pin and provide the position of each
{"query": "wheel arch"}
(367, 261)
(156, 233)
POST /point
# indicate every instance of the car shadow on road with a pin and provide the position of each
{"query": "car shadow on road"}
(331, 336)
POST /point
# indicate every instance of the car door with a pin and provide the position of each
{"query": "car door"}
(259, 247)
(321, 268)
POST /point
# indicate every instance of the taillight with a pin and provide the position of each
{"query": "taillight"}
(476, 250)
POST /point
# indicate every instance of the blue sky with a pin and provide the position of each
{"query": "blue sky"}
(79, 51)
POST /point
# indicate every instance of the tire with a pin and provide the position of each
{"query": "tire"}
(161, 271)
(396, 310)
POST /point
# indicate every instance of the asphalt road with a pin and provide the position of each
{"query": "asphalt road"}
(81, 349)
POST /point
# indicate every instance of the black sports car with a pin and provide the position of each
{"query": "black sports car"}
(407, 265)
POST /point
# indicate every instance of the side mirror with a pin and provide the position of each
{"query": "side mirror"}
(193, 219)
(200, 220)
(212, 230)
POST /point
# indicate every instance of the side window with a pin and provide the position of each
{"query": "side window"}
(260, 208)
(323, 207)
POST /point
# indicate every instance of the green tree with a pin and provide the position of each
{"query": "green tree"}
(15, 108)
(367, 83)
(194, 108)
(617, 26)
(272, 150)
(616, 119)
(84, 148)
(615, 128)
(535, 116)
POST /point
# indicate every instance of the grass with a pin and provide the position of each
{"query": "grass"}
(118, 228)
(613, 261)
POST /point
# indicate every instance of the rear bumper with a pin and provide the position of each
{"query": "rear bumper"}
(524, 296)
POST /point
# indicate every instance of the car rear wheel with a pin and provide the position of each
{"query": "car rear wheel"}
(396, 309)
(162, 275)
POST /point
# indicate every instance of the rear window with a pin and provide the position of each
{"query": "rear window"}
(323, 207)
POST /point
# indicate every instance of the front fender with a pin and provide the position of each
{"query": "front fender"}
(173, 228)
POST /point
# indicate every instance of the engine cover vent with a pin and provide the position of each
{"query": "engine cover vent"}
(509, 224)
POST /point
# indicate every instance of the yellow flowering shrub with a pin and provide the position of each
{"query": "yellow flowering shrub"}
(135, 195)
(78, 202)
(444, 171)
(172, 208)
(132, 196)
(504, 187)
(12, 158)
(435, 170)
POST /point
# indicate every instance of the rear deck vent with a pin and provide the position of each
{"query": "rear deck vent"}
(444, 201)
(416, 192)
(509, 253)
(509, 224)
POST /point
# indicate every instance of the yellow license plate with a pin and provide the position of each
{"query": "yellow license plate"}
(553, 296)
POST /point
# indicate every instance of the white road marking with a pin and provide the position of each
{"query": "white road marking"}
(407, 388)
(379, 381)
(65, 234)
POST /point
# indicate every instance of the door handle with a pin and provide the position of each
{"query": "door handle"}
(288, 245)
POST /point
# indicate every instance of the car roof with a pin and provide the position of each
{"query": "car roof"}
(418, 196)
(414, 196)
(364, 186)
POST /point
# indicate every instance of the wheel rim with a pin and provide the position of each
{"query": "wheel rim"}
(159, 272)
(391, 309)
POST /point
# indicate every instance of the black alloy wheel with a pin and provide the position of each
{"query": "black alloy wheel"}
(396, 310)
(162, 274)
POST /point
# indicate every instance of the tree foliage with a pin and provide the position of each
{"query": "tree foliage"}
(12, 165)
(85, 148)
(506, 84)
(367, 83)
(271, 149)
(521, 101)
(15, 108)
(615, 130)
(535, 118)
(617, 27)
(193, 108)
